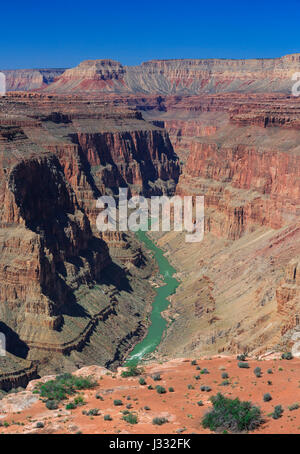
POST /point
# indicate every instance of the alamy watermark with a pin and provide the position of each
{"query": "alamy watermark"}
(153, 214)
(2, 84)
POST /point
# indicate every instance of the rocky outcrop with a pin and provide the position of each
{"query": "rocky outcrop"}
(30, 79)
(188, 76)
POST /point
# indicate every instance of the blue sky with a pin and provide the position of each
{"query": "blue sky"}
(62, 33)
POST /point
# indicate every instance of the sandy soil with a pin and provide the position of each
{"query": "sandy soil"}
(179, 407)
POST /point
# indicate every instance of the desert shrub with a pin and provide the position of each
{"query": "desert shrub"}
(287, 355)
(269, 382)
(146, 408)
(98, 396)
(39, 425)
(225, 383)
(294, 406)
(63, 386)
(51, 405)
(150, 387)
(242, 365)
(225, 375)
(197, 377)
(241, 357)
(267, 397)
(198, 368)
(200, 403)
(142, 381)
(160, 389)
(171, 389)
(269, 371)
(132, 371)
(231, 414)
(70, 406)
(257, 372)
(205, 388)
(191, 387)
(118, 402)
(93, 412)
(107, 418)
(79, 400)
(194, 362)
(128, 406)
(159, 421)
(131, 418)
(156, 377)
(277, 413)
(204, 371)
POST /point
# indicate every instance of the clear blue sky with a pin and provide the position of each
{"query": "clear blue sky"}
(63, 33)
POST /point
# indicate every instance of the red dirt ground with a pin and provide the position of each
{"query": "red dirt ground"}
(179, 407)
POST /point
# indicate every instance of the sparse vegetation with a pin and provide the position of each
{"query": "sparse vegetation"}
(257, 372)
(118, 402)
(63, 386)
(142, 381)
(159, 421)
(205, 388)
(267, 397)
(277, 413)
(243, 365)
(131, 418)
(160, 389)
(241, 357)
(156, 377)
(287, 355)
(232, 415)
(294, 406)
(132, 371)
(204, 371)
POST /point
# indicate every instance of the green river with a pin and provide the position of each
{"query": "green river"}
(158, 323)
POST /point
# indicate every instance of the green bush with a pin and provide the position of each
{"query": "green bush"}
(205, 388)
(107, 418)
(225, 383)
(132, 371)
(171, 389)
(131, 418)
(257, 372)
(294, 406)
(200, 403)
(64, 386)
(71, 406)
(98, 396)
(118, 402)
(194, 362)
(204, 371)
(51, 405)
(156, 377)
(287, 355)
(93, 412)
(277, 413)
(231, 414)
(243, 365)
(150, 387)
(225, 375)
(160, 389)
(159, 421)
(269, 371)
(267, 397)
(142, 381)
(40, 425)
(241, 357)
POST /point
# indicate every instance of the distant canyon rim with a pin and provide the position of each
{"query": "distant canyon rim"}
(228, 130)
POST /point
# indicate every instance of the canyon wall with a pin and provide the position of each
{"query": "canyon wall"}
(186, 76)
(64, 287)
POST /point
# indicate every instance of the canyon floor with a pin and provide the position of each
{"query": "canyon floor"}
(21, 412)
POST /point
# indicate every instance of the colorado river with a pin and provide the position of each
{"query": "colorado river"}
(158, 323)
